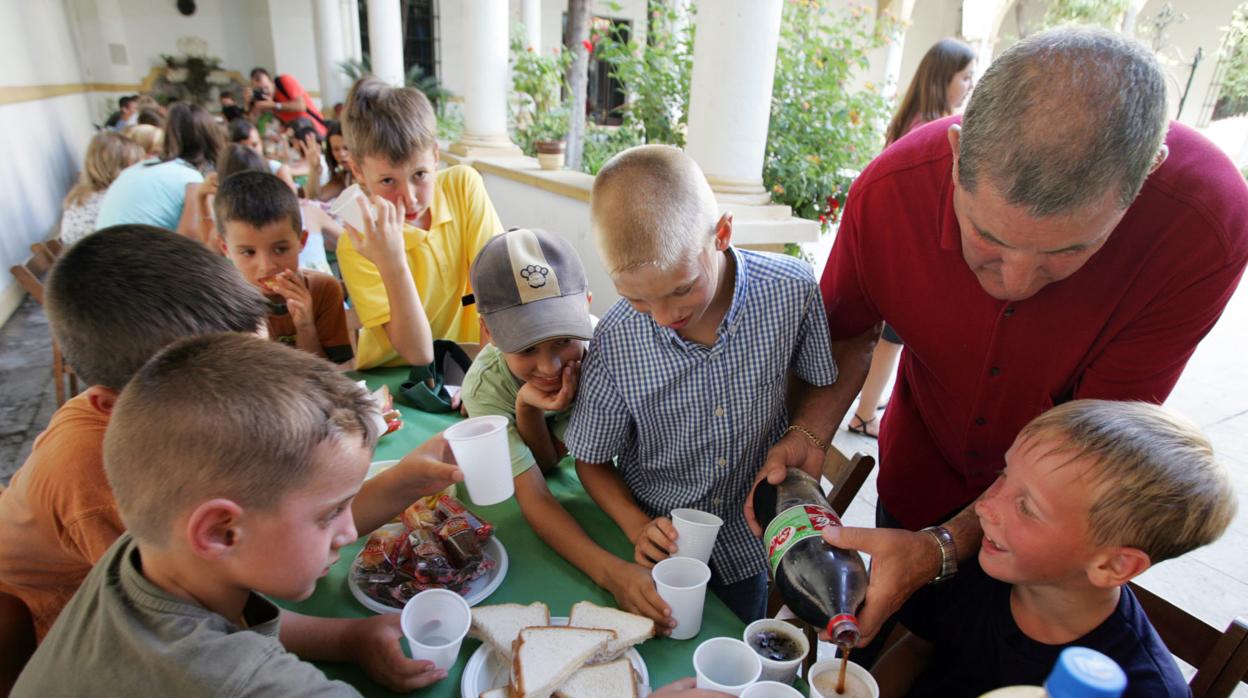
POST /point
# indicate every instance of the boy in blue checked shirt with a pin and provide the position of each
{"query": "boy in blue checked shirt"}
(687, 381)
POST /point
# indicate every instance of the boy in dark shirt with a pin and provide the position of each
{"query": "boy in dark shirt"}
(1093, 494)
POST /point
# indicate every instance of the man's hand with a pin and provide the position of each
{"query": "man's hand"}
(373, 643)
(795, 450)
(634, 591)
(381, 242)
(558, 400)
(901, 563)
(656, 542)
(298, 298)
(686, 688)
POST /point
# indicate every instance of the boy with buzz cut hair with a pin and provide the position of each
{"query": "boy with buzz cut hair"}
(1094, 493)
(235, 462)
(687, 381)
(533, 298)
(407, 271)
(261, 230)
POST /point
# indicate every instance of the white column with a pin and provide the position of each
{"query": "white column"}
(385, 40)
(486, 81)
(531, 18)
(330, 51)
(734, 62)
(350, 10)
(901, 11)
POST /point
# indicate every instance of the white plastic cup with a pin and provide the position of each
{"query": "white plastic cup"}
(480, 448)
(782, 672)
(695, 533)
(831, 667)
(726, 665)
(345, 207)
(435, 622)
(771, 689)
(681, 582)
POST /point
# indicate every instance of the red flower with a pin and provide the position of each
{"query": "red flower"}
(589, 46)
(823, 219)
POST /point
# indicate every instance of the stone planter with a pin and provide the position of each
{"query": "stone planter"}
(550, 154)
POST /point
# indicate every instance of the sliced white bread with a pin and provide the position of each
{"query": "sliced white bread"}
(630, 629)
(500, 624)
(611, 680)
(543, 658)
(500, 692)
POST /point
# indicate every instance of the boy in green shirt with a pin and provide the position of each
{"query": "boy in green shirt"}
(533, 301)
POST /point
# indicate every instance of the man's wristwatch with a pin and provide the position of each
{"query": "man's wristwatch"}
(948, 552)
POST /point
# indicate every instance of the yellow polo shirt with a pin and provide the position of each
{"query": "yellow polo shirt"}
(462, 219)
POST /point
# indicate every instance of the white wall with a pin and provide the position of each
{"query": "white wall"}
(43, 139)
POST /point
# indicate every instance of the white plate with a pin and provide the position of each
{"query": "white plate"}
(379, 466)
(477, 591)
(485, 670)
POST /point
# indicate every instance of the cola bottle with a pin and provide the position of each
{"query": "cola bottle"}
(822, 584)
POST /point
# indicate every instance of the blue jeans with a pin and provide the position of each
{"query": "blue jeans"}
(746, 598)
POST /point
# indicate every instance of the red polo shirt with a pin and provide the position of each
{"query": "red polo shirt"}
(975, 369)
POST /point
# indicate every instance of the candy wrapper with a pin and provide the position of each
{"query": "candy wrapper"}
(435, 545)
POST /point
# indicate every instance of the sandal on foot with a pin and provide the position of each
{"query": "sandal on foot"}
(861, 429)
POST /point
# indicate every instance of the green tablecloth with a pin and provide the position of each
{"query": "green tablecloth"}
(536, 572)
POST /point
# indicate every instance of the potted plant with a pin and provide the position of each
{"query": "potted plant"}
(541, 117)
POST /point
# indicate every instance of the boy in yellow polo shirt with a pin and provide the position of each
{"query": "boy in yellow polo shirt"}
(407, 272)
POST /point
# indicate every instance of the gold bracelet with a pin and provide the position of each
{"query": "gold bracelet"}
(818, 442)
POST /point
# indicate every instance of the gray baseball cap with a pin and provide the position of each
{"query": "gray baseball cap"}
(530, 287)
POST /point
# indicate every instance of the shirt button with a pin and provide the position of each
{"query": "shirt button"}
(717, 501)
(994, 371)
(980, 421)
(721, 461)
(1009, 311)
(719, 411)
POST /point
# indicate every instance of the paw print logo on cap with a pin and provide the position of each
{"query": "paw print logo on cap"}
(535, 275)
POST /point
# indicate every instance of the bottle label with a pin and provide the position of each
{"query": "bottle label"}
(792, 526)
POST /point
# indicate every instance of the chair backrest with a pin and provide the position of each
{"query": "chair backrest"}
(30, 275)
(846, 473)
(1220, 658)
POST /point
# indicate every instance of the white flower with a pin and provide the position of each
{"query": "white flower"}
(177, 74)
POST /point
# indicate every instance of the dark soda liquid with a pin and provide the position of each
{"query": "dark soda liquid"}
(775, 646)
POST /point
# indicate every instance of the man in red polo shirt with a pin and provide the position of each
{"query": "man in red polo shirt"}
(285, 98)
(1046, 247)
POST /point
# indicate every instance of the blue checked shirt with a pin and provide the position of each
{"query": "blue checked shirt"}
(690, 425)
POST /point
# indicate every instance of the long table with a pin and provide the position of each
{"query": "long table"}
(536, 572)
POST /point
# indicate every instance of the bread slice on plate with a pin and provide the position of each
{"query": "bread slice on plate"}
(543, 658)
(499, 625)
(500, 692)
(611, 680)
(630, 629)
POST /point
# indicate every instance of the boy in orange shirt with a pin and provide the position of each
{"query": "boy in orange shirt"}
(261, 231)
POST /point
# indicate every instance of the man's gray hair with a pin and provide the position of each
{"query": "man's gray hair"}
(1061, 117)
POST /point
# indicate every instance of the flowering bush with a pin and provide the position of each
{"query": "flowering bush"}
(821, 134)
(539, 82)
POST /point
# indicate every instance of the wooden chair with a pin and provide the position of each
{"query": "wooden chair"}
(1221, 659)
(30, 275)
(847, 474)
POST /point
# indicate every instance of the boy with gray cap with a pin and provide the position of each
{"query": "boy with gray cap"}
(533, 301)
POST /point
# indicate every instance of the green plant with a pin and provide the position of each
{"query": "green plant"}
(821, 133)
(416, 77)
(1233, 90)
(191, 76)
(1105, 13)
(538, 80)
(655, 73)
(601, 142)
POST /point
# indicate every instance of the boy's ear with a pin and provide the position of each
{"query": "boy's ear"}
(102, 399)
(356, 174)
(589, 298)
(723, 232)
(213, 529)
(225, 249)
(1117, 566)
(303, 239)
(485, 331)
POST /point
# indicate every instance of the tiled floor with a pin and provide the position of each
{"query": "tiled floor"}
(1211, 583)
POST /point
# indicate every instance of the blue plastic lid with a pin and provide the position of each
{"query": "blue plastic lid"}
(1085, 673)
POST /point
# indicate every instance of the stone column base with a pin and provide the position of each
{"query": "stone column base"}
(491, 146)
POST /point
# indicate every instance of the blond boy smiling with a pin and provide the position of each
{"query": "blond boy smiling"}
(407, 272)
(1093, 494)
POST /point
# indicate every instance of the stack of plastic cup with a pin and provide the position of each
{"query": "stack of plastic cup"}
(681, 581)
(695, 533)
(726, 665)
(435, 622)
(770, 689)
(480, 448)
